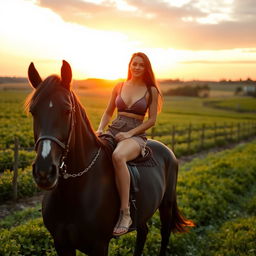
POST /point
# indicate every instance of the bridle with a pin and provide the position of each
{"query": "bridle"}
(65, 147)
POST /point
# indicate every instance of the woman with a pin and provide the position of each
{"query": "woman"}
(133, 98)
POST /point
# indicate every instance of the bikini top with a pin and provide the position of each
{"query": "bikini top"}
(139, 107)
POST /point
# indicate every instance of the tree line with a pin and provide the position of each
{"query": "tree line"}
(8, 79)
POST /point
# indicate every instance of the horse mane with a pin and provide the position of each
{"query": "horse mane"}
(45, 88)
(85, 119)
(42, 90)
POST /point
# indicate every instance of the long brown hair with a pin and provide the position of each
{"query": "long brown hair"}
(148, 78)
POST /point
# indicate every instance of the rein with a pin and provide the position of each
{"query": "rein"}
(74, 175)
(65, 147)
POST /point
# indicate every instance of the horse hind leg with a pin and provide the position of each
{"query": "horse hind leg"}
(165, 211)
(142, 232)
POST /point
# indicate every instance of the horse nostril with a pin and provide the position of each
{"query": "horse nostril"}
(37, 173)
(53, 171)
(42, 174)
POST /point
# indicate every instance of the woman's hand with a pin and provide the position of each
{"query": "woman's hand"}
(99, 132)
(122, 136)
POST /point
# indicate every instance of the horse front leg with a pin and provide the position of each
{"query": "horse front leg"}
(142, 232)
(65, 251)
(100, 250)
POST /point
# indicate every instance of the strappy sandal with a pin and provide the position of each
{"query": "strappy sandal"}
(124, 222)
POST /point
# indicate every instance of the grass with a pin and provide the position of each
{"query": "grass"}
(217, 192)
(178, 111)
(239, 104)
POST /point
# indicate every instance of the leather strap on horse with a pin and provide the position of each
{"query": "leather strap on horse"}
(65, 147)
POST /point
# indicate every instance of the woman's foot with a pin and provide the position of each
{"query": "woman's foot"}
(123, 223)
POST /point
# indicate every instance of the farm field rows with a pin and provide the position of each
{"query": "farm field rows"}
(178, 111)
(191, 118)
(217, 192)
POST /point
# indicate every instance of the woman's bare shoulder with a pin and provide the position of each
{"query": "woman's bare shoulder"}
(117, 87)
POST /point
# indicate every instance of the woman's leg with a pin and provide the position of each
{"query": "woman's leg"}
(126, 150)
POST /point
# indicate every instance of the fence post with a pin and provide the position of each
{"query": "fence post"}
(231, 131)
(15, 169)
(173, 137)
(189, 135)
(215, 133)
(248, 129)
(225, 132)
(202, 135)
(238, 131)
(251, 129)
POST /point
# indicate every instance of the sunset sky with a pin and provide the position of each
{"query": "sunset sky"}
(185, 39)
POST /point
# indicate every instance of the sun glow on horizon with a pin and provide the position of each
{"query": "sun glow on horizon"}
(43, 37)
(93, 53)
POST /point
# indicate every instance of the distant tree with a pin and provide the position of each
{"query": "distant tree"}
(7, 79)
(249, 81)
(190, 91)
(238, 90)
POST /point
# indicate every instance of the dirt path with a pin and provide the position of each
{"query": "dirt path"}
(202, 154)
(9, 207)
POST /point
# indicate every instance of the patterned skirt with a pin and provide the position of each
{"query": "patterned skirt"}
(125, 124)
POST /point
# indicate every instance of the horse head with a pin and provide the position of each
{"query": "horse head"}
(52, 107)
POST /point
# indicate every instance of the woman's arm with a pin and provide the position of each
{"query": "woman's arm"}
(147, 124)
(106, 117)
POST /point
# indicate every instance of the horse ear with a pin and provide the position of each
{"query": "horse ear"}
(66, 74)
(33, 76)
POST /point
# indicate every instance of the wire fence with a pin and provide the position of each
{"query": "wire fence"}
(204, 136)
(190, 137)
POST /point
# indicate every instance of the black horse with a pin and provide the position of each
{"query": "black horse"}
(81, 205)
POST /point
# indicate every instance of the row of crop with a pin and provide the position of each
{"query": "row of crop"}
(26, 185)
(190, 139)
(234, 238)
(237, 236)
(245, 104)
(182, 140)
(7, 159)
(209, 192)
(176, 111)
(14, 120)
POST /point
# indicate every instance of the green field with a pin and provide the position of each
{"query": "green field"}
(218, 193)
(178, 111)
(237, 104)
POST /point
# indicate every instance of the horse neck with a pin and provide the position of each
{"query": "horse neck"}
(84, 144)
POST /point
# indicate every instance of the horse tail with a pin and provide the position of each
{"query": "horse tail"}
(178, 222)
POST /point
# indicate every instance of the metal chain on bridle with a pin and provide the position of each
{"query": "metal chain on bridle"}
(65, 147)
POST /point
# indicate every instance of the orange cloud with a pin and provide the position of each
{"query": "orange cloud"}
(195, 25)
